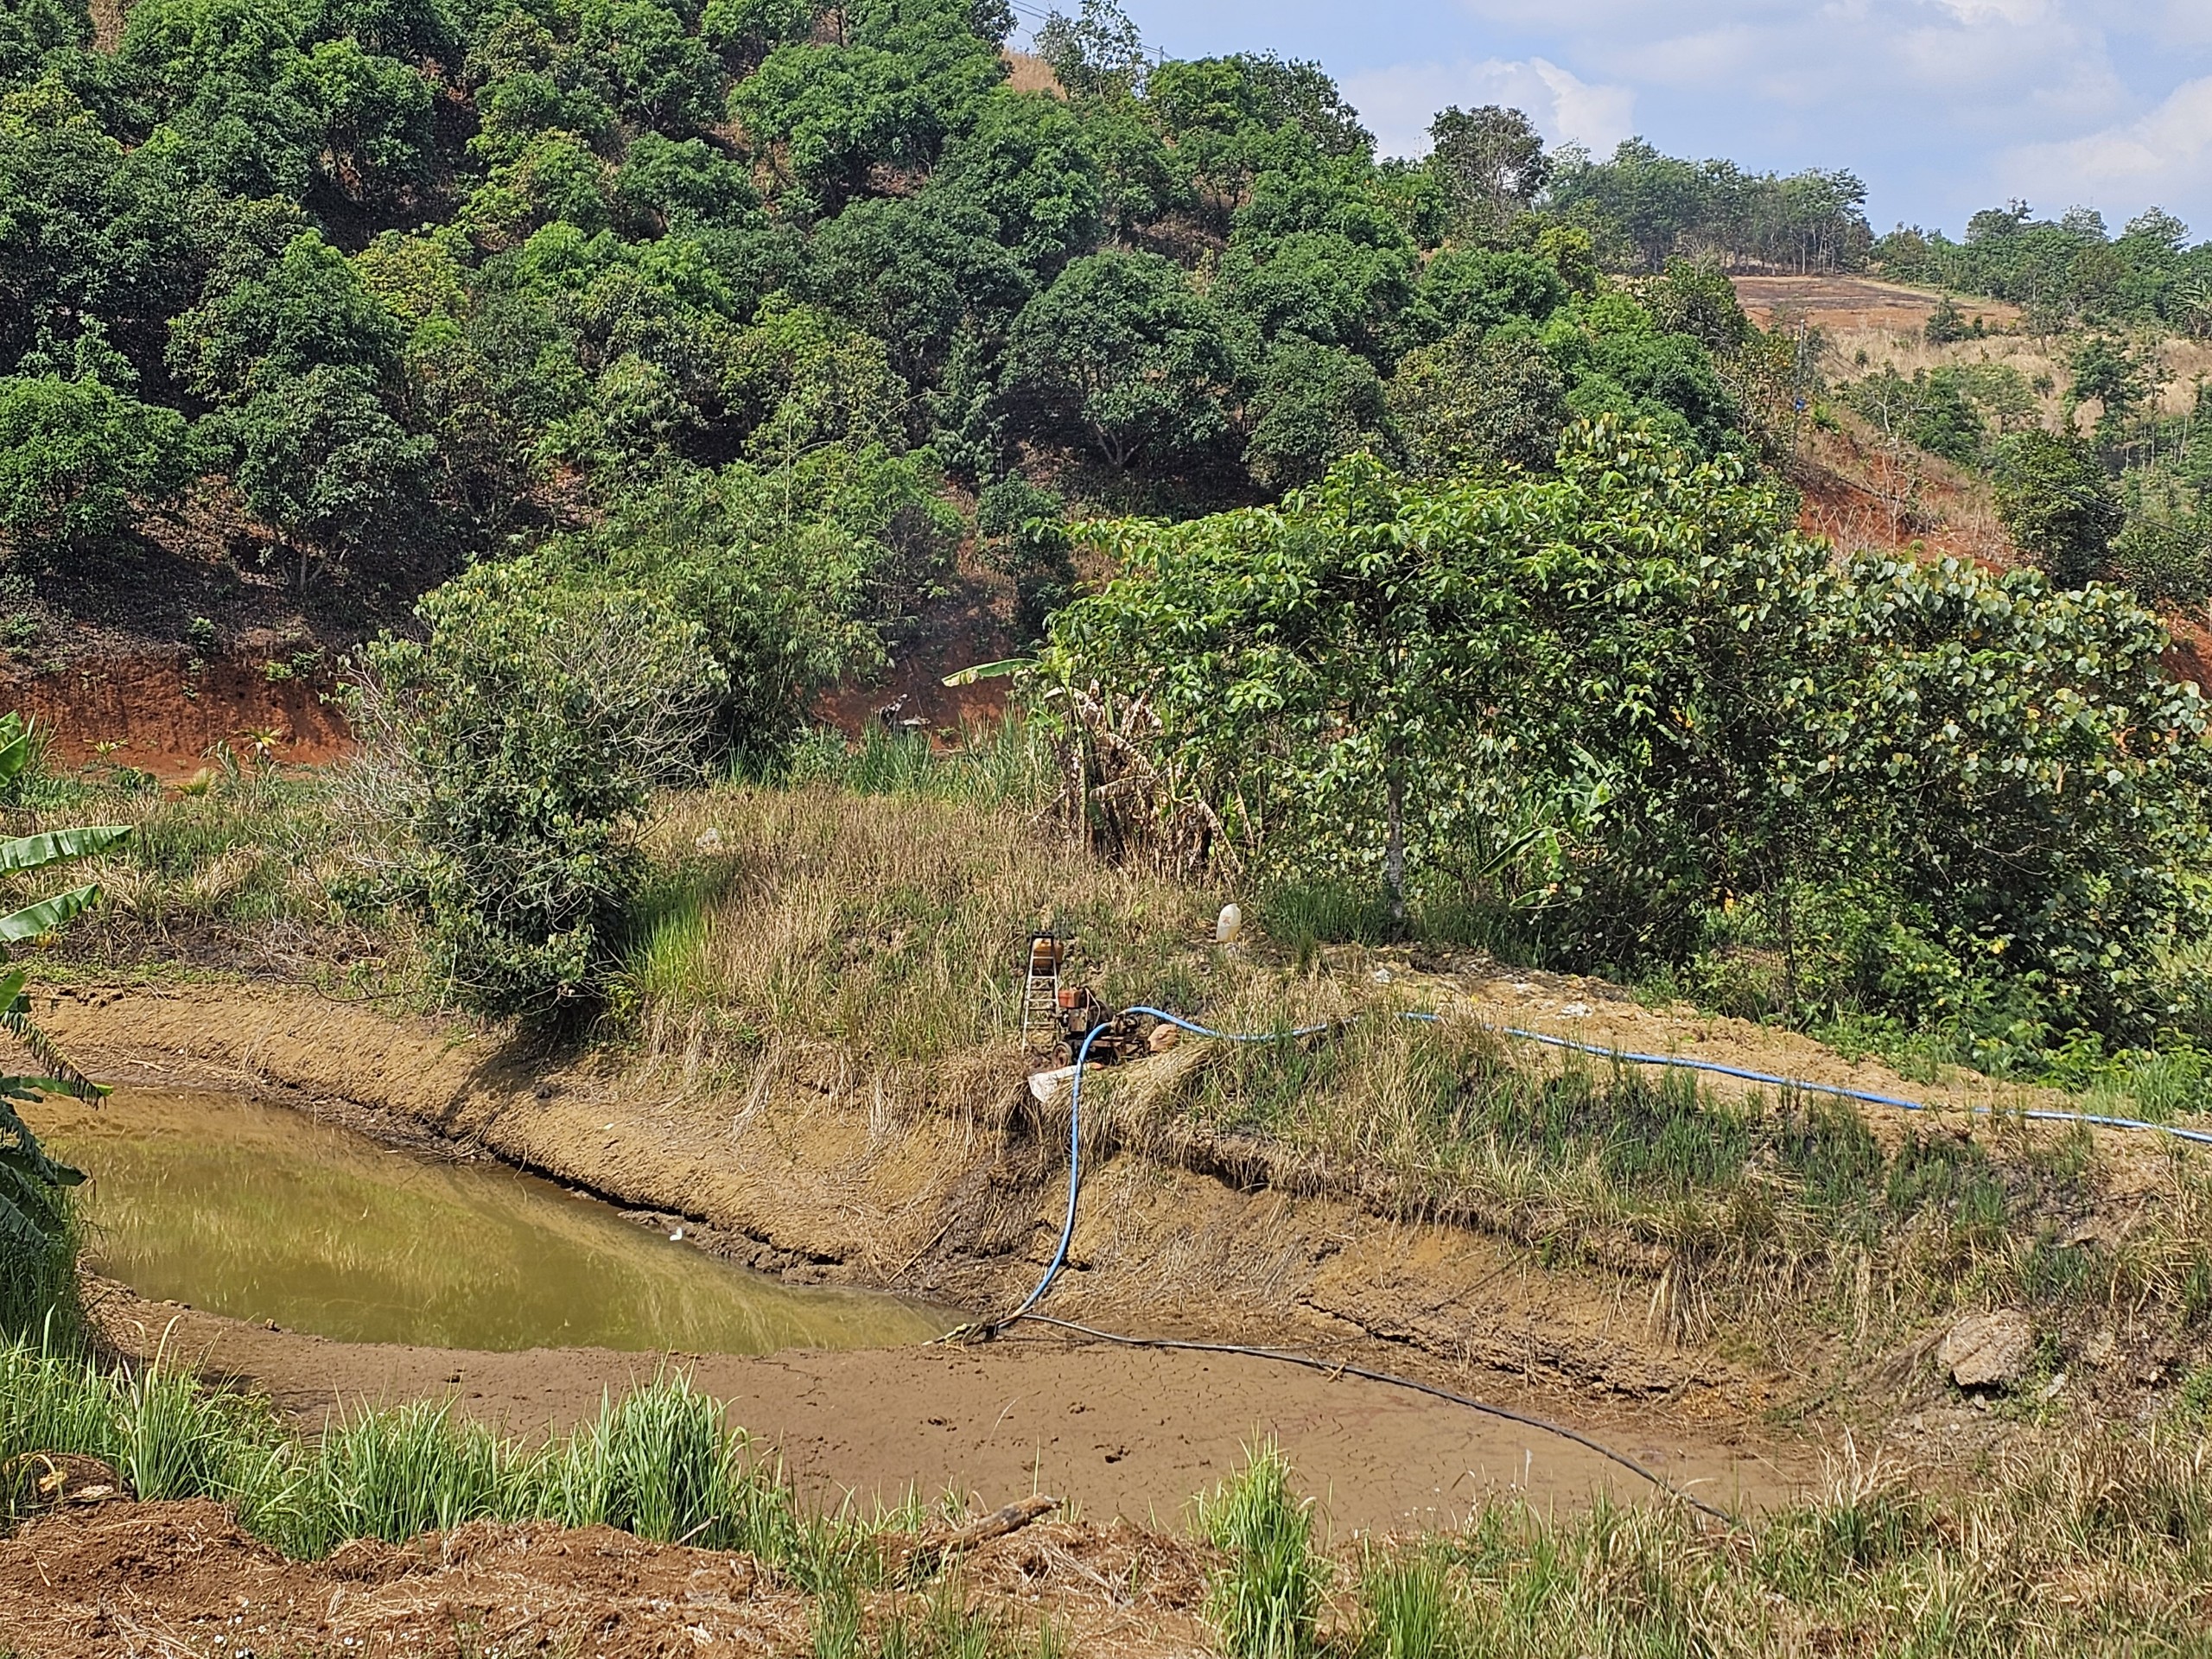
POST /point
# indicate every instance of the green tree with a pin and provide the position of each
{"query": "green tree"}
(914, 273)
(374, 113)
(1025, 164)
(2104, 370)
(1491, 160)
(792, 573)
(1314, 404)
(654, 72)
(1321, 284)
(1122, 346)
(1368, 681)
(1475, 403)
(1477, 289)
(745, 31)
(800, 376)
(31, 28)
(307, 309)
(2027, 779)
(2059, 505)
(79, 459)
(1099, 50)
(87, 229)
(409, 30)
(317, 459)
(1698, 300)
(1024, 534)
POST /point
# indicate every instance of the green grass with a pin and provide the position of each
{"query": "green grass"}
(1266, 1599)
(1008, 764)
(2101, 1548)
(662, 1462)
(886, 926)
(251, 869)
(39, 1296)
(1746, 1207)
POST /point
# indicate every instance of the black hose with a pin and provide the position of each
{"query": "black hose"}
(1337, 1367)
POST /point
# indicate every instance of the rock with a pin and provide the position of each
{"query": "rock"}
(1163, 1037)
(1987, 1350)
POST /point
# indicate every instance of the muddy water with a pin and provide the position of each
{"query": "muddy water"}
(261, 1213)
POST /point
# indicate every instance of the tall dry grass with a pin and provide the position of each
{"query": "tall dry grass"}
(885, 927)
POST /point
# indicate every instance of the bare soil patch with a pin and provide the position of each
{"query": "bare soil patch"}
(1841, 302)
(163, 711)
(174, 1578)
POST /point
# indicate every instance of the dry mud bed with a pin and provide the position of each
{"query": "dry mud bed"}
(815, 1179)
(171, 1580)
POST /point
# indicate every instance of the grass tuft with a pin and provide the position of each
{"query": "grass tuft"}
(1266, 1599)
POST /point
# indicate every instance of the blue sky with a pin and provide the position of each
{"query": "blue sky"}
(1942, 107)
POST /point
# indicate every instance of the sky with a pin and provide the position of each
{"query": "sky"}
(1941, 106)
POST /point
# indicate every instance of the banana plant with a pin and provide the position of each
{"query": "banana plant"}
(29, 1179)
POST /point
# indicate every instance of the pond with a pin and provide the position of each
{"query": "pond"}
(264, 1213)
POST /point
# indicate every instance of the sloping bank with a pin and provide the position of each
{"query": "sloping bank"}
(801, 1171)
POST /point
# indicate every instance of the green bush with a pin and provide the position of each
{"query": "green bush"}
(2058, 503)
(77, 459)
(1623, 704)
(516, 745)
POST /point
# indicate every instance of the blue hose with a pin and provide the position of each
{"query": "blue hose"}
(1083, 1055)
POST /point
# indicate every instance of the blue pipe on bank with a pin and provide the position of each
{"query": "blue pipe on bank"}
(1083, 1056)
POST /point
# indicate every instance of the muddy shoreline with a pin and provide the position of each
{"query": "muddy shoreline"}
(816, 1189)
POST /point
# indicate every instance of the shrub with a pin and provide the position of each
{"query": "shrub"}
(1617, 704)
(77, 458)
(516, 745)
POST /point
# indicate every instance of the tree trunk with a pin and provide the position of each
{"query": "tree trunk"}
(1394, 851)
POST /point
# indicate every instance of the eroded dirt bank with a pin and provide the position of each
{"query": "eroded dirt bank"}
(815, 1178)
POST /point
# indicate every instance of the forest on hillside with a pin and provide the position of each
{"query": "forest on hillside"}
(446, 275)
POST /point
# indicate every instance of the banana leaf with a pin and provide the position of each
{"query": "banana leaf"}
(63, 1077)
(997, 670)
(15, 746)
(32, 852)
(33, 921)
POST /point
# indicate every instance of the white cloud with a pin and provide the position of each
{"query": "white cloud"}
(2163, 155)
(1399, 102)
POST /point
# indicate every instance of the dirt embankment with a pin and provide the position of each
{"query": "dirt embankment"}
(163, 712)
(815, 1179)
